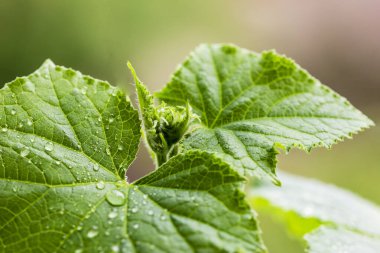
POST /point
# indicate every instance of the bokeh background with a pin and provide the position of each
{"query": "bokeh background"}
(336, 41)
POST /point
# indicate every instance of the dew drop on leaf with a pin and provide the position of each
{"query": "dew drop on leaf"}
(13, 112)
(134, 210)
(115, 197)
(100, 185)
(135, 226)
(92, 233)
(150, 212)
(95, 167)
(24, 152)
(49, 146)
(112, 214)
(4, 129)
(115, 248)
(29, 122)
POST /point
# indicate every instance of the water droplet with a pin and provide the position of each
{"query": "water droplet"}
(112, 214)
(29, 122)
(24, 152)
(14, 189)
(120, 147)
(136, 226)
(95, 167)
(115, 248)
(49, 146)
(100, 185)
(58, 162)
(13, 112)
(92, 233)
(78, 251)
(20, 125)
(4, 129)
(110, 120)
(163, 217)
(108, 152)
(134, 210)
(31, 140)
(100, 119)
(115, 197)
(150, 212)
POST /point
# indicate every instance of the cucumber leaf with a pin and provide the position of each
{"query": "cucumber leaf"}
(329, 218)
(252, 104)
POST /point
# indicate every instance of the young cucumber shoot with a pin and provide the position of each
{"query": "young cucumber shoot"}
(67, 140)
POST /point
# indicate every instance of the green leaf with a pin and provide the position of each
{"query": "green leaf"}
(65, 142)
(331, 240)
(250, 104)
(206, 212)
(331, 219)
(56, 118)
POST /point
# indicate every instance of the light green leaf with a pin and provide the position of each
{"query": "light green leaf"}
(65, 142)
(331, 240)
(250, 104)
(333, 220)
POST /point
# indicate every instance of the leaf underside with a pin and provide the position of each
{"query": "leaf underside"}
(330, 219)
(66, 141)
(251, 104)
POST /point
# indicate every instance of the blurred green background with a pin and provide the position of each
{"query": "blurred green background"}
(337, 41)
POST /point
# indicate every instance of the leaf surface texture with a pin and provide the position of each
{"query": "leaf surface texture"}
(251, 104)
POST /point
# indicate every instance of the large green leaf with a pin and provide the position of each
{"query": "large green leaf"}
(66, 141)
(332, 219)
(251, 103)
(204, 210)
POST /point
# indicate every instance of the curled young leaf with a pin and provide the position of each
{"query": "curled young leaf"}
(164, 125)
